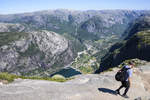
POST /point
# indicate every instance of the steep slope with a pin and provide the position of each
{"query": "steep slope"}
(93, 31)
(5, 27)
(33, 52)
(82, 25)
(74, 22)
(83, 87)
(137, 45)
(140, 24)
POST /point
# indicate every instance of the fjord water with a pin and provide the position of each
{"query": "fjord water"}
(67, 72)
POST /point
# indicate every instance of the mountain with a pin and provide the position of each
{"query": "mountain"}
(32, 52)
(95, 24)
(140, 24)
(54, 38)
(135, 45)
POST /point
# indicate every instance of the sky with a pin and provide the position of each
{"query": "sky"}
(21, 6)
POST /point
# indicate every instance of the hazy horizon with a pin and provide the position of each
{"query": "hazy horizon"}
(25, 6)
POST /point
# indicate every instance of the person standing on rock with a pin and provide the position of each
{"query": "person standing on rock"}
(127, 79)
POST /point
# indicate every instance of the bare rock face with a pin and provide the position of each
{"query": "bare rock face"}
(32, 52)
(83, 87)
(111, 21)
(50, 42)
(7, 27)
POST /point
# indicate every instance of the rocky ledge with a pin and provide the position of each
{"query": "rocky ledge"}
(83, 87)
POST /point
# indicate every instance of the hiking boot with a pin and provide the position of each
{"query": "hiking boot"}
(117, 92)
(125, 96)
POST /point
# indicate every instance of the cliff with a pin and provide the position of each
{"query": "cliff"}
(83, 87)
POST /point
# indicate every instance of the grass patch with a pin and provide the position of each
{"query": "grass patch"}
(10, 78)
(86, 70)
(59, 78)
(7, 77)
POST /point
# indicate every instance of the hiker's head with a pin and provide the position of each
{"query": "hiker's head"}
(131, 64)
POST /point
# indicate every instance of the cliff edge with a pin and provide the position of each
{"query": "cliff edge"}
(83, 87)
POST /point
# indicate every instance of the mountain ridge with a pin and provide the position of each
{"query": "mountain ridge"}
(136, 45)
(32, 51)
(92, 31)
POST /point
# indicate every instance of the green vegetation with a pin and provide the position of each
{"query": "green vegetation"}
(11, 77)
(59, 78)
(103, 45)
(8, 77)
(84, 35)
(117, 51)
(86, 63)
(93, 32)
(86, 70)
(141, 24)
(137, 46)
(144, 38)
(8, 37)
(77, 46)
(136, 62)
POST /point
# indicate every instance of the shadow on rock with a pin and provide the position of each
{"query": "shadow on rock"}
(106, 90)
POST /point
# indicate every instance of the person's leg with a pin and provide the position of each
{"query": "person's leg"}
(127, 88)
(120, 87)
(118, 90)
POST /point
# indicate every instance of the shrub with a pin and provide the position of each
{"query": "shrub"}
(7, 77)
(58, 78)
(10, 78)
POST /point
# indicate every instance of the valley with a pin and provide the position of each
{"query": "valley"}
(44, 42)
(74, 50)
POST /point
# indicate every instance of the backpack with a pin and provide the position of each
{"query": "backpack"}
(121, 75)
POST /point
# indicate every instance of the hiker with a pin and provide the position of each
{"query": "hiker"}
(126, 82)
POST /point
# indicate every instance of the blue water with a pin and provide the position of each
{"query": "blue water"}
(67, 72)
